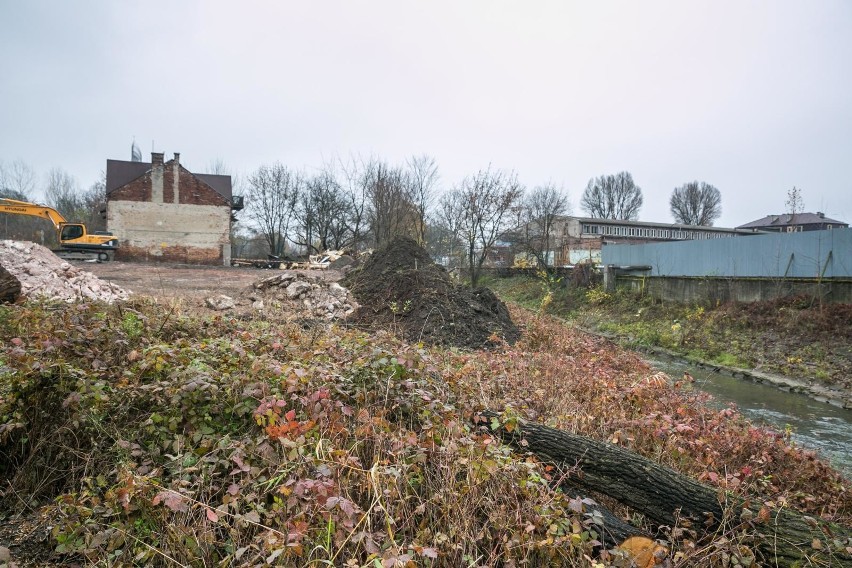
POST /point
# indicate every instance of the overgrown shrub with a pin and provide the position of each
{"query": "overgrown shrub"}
(155, 439)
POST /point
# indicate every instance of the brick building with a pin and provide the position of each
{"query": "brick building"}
(163, 212)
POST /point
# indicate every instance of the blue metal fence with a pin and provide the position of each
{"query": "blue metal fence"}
(810, 254)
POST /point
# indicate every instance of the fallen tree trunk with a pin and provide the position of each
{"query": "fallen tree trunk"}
(611, 529)
(785, 538)
(10, 287)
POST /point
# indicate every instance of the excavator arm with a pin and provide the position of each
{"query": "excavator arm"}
(16, 207)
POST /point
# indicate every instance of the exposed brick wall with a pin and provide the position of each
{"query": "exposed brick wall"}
(137, 190)
(168, 185)
(192, 191)
(181, 254)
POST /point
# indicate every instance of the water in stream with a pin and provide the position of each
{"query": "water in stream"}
(816, 425)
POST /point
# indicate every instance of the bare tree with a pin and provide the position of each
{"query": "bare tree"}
(794, 204)
(273, 192)
(247, 242)
(391, 210)
(217, 166)
(93, 202)
(483, 204)
(696, 203)
(540, 210)
(17, 180)
(322, 214)
(62, 194)
(444, 232)
(612, 197)
(355, 193)
(423, 178)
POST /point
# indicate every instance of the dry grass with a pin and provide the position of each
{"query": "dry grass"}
(153, 438)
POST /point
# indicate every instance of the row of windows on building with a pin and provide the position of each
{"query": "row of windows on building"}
(652, 233)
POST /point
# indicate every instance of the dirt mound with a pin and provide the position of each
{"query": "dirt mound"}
(402, 290)
(43, 274)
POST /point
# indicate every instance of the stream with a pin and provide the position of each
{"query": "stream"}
(815, 425)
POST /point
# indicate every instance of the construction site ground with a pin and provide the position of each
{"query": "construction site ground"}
(191, 283)
(401, 289)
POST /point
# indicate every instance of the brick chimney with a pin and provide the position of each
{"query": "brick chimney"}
(157, 177)
(176, 178)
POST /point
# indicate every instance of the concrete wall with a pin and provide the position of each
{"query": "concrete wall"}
(578, 255)
(711, 290)
(168, 214)
(170, 232)
(796, 255)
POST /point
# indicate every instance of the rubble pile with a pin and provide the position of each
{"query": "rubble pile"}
(44, 275)
(303, 293)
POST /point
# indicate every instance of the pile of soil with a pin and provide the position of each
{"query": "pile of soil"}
(402, 290)
(45, 275)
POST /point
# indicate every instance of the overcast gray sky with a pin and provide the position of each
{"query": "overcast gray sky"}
(753, 97)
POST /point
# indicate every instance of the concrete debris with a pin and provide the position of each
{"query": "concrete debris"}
(297, 289)
(342, 263)
(306, 294)
(319, 261)
(44, 275)
(220, 302)
(337, 291)
(325, 259)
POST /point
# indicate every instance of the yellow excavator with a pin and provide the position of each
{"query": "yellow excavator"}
(75, 241)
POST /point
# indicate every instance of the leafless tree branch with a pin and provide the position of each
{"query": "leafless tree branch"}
(612, 197)
(482, 203)
(272, 197)
(696, 203)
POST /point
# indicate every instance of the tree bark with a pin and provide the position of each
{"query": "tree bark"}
(666, 497)
(613, 530)
(10, 287)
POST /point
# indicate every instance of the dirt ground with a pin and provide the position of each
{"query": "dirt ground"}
(400, 290)
(192, 284)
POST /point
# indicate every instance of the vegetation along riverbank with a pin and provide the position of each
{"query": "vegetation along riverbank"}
(793, 343)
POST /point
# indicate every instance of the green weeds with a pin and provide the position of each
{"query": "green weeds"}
(150, 438)
(785, 336)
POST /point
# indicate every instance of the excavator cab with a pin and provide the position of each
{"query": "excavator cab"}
(70, 232)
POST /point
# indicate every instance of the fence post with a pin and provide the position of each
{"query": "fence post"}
(609, 278)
